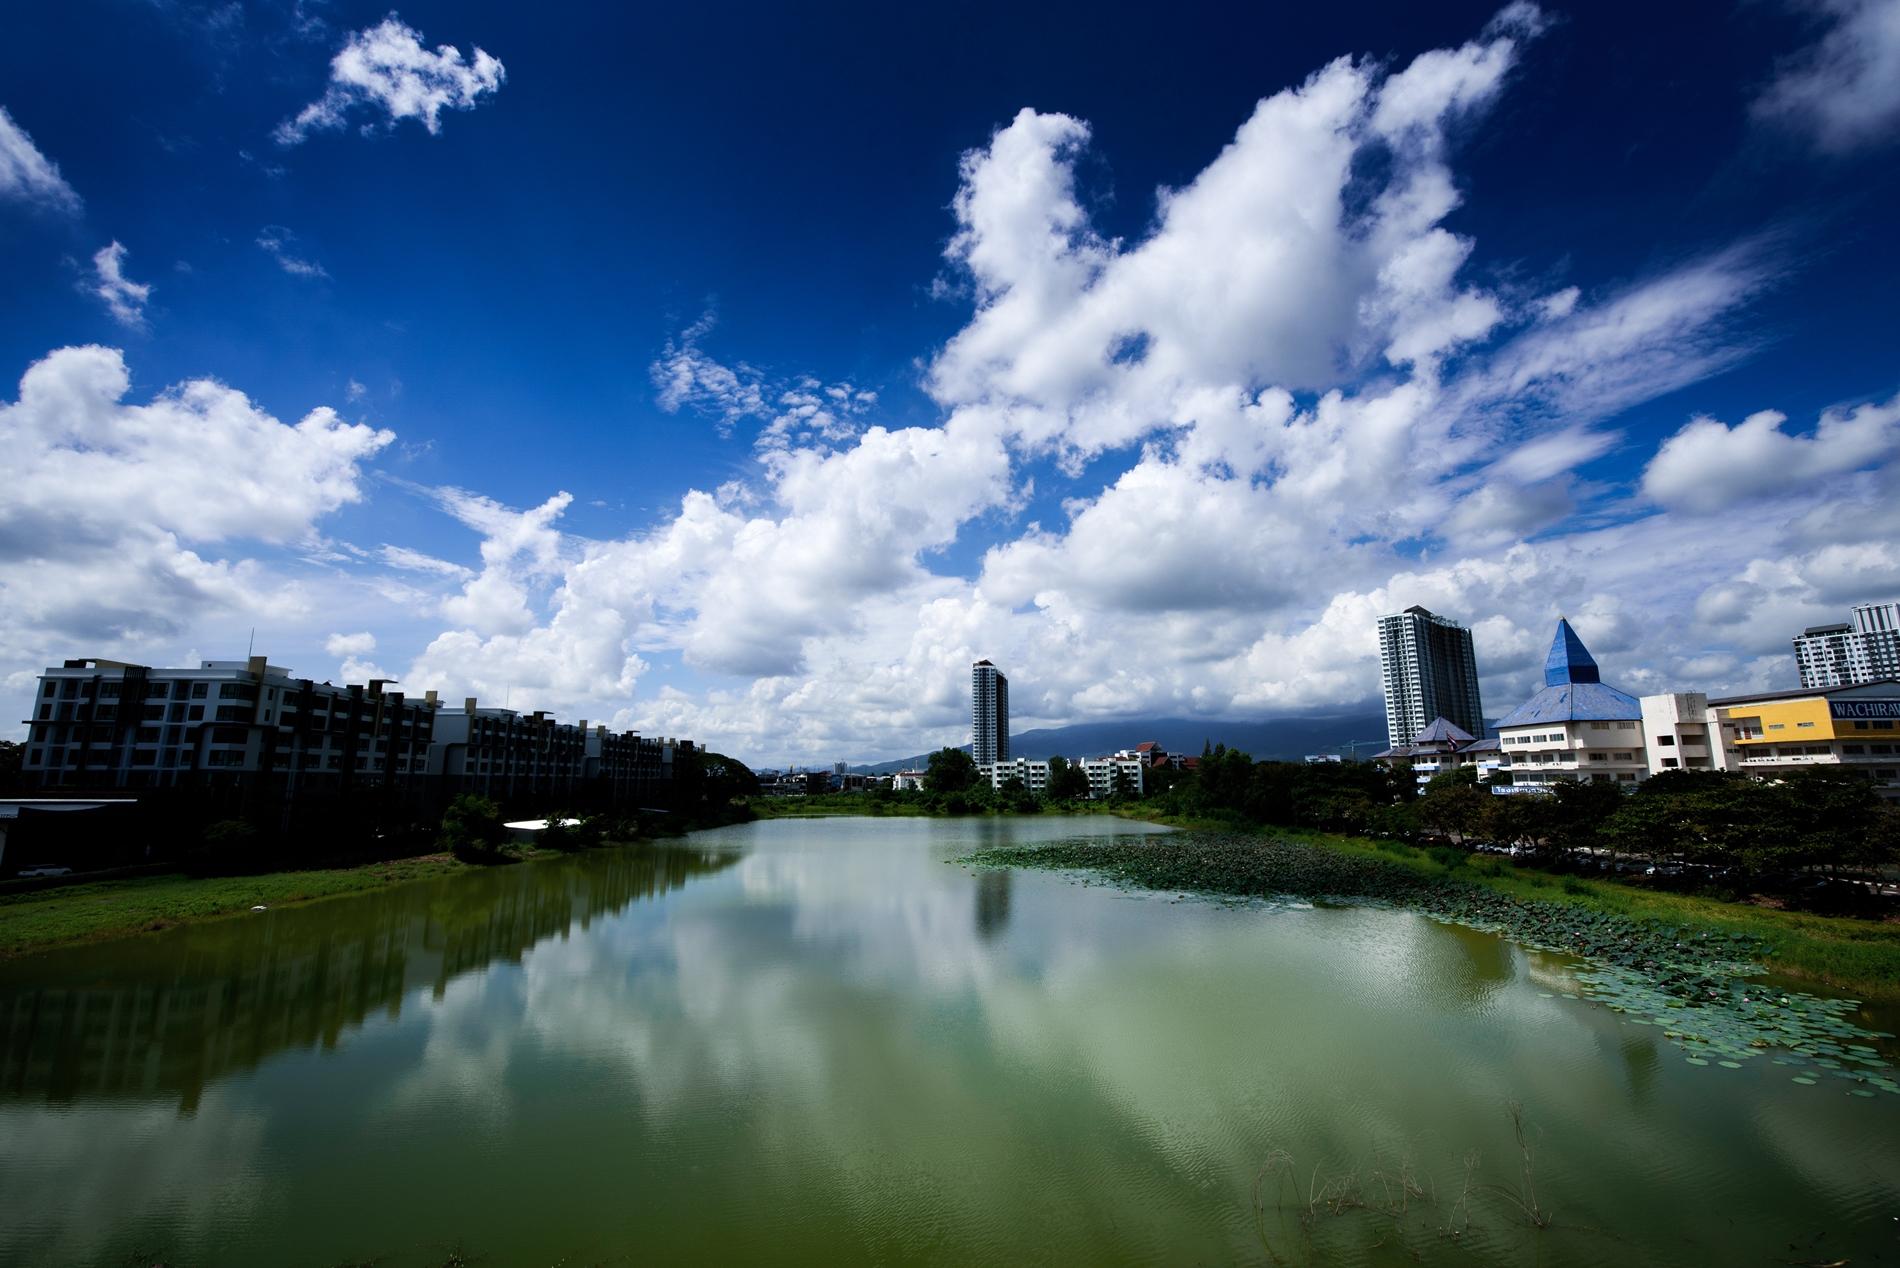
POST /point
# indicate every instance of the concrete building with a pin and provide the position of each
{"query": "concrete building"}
(907, 781)
(107, 724)
(1680, 732)
(1104, 772)
(1033, 773)
(1429, 671)
(1440, 747)
(1577, 728)
(1856, 727)
(989, 714)
(1868, 650)
(251, 725)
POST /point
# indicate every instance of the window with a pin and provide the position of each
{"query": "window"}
(199, 690)
(1666, 741)
(110, 690)
(1670, 761)
(1854, 750)
(196, 713)
(1777, 726)
(1626, 726)
(1808, 725)
(52, 689)
(1599, 757)
(227, 691)
(1627, 777)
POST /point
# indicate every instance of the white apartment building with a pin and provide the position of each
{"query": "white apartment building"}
(1034, 774)
(1102, 773)
(1845, 655)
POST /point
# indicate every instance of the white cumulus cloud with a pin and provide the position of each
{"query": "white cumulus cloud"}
(386, 68)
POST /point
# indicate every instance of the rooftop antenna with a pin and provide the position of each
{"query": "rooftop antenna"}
(250, 648)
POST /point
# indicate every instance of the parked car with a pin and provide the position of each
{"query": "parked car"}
(26, 873)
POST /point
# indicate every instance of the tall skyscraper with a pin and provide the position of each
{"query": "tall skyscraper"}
(989, 714)
(1430, 672)
(1845, 655)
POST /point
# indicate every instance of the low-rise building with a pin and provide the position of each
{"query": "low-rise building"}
(908, 781)
(1577, 728)
(1680, 733)
(1108, 775)
(1033, 773)
(1856, 728)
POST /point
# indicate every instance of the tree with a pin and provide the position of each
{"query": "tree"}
(949, 770)
(471, 825)
(1066, 782)
(1453, 802)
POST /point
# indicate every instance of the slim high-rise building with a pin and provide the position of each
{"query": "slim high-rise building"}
(1847, 655)
(989, 714)
(1430, 672)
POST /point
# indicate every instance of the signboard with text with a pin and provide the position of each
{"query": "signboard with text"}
(1865, 710)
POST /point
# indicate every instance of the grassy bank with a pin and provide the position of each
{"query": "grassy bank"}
(1602, 919)
(94, 912)
(1860, 957)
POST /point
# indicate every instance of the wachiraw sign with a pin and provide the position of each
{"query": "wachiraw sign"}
(1863, 710)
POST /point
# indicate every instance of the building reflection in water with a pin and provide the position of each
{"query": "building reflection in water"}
(168, 1016)
(992, 902)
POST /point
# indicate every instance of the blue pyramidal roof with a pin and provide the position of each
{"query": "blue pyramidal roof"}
(1569, 659)
(1573, 691)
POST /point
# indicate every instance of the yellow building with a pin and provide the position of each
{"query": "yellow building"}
(1853, 727)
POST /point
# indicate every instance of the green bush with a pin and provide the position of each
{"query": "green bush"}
(471, 828)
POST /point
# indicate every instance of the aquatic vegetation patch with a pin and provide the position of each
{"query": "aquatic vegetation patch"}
(1695, 985)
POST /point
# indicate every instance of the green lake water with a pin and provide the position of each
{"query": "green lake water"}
(821, 1042)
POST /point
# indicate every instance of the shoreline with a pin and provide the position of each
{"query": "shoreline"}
(1836, 953)
(88, 912)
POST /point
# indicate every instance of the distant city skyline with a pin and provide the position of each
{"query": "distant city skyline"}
(747, 374)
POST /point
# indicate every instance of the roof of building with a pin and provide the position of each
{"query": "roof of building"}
(1443, 731)
(1482, 746)
(1569, 660)
(1147, 746)
(1762, 697)
(1841, 627)
(1573, 689)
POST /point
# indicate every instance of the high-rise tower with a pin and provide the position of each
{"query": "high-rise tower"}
(1430, 672)
(989, 714)
(1845, 655)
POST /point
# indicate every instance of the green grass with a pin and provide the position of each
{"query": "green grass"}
(1857, 956)
(42, 919)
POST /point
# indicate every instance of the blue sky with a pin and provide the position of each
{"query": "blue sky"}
(1150, 356)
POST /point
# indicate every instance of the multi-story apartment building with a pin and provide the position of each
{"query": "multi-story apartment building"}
(1577, 728)
(1868, 650)
(1429, 671)
(1855, 727)
(102, 723)
(250, 724)
(1033, 773)
(1102, 773)
(989, 714)
(1106, 772)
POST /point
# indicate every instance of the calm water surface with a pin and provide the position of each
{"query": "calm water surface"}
(812, 1041)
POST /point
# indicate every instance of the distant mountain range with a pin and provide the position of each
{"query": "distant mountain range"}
(1275, 738)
